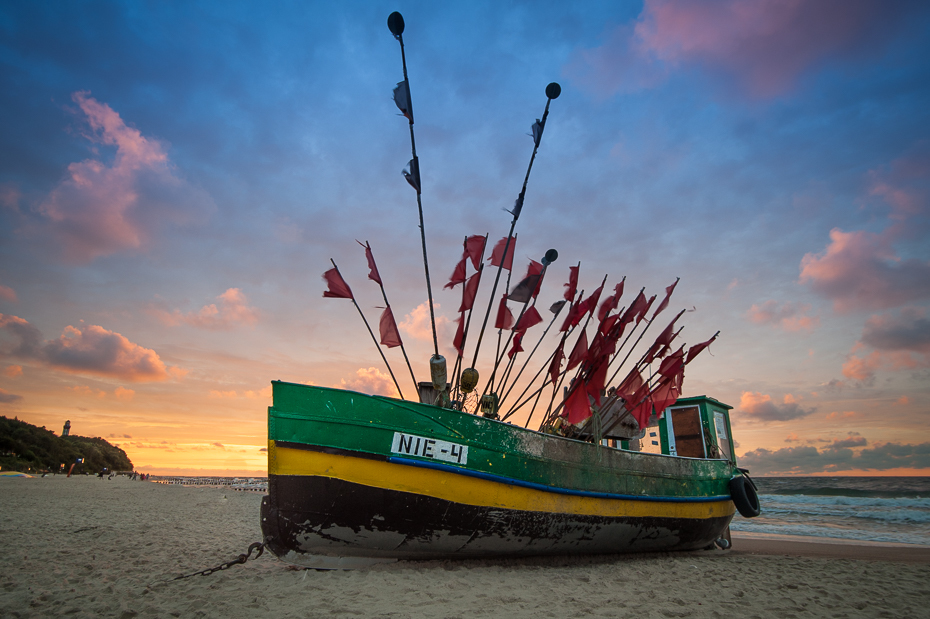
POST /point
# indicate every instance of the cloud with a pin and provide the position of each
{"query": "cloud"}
(10, 195)
(121, 393)
(836, 457)
(234, 310)
(762, 408)
(859, 270)
(902, 185)
(250, 393)
(101, 208)
(898, 341)
(85, 390)
(852, 441)
(416, 324)
(8, 294)
(13, 371)
(790, 316)
(762, 48)
(903, 401)
(841, 415)
(370, 381)
(8, 398)
(94, 350)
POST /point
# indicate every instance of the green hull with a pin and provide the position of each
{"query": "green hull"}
(356, 478)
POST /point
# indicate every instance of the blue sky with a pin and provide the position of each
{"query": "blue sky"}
(174, 178)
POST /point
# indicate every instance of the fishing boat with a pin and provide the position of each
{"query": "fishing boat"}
(615, 466)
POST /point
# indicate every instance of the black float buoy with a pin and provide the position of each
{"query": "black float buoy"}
(396, 26)
(553, 90)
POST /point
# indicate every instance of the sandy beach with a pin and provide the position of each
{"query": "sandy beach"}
(87, 547)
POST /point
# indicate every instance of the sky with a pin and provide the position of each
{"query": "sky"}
(176, 176)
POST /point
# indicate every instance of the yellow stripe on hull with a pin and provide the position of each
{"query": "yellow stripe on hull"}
(474, 491)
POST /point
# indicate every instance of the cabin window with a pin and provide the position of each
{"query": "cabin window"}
(723, 439)
(686, 436)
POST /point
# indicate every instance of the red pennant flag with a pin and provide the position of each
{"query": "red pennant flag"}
(610, 303)
(635, 309)
(555, 368)
(643, 410)
(578, 352)
(597, 381)
(572, 286)
(643, 313)
(474, 249)
(530, 318)
(373, 269)
(469, 292)
(668, 294)
(458, 275)
(628, 388)
(338, 288)
(660, 347)
(457, 341)
(590, 304)
(608, 325)
(390, 336)
(577, 407)
(517, 344)
(504, 317)
(673, 363)
(665, 395)
(498, 253)
(573, 318)
(695, 350)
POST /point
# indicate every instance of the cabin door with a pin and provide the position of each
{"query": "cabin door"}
(686, 427)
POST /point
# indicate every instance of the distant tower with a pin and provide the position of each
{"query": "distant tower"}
(67, 428)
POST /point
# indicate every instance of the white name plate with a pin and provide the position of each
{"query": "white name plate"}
(412, 445)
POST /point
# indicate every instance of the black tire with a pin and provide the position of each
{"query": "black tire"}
(744, 497)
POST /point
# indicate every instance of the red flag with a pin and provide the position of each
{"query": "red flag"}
(610, 303)
(673, 363)
(578, 352)
(572, 286)
(469, 292)
(504, 317)
(474, 248)
(555, 368)
(458, 275)
(665, 395)
(373, 272)
(338, 288)
(628, 388)
(390, 336)
(590, 304)
(643, 410)
(695, 350)
(530, 318)
(575, 314)
(529, 286)
(642, 314)
(636, 308)
(660, 347)
(577, 407)
(517, 344)
(498, 253)
(668, 294)
(597, 381)
(457, 341)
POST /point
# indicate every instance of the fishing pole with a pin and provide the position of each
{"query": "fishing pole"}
(372, 334)
(402, 96)
(553, 90)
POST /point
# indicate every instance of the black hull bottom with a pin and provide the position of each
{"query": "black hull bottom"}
(316, 520)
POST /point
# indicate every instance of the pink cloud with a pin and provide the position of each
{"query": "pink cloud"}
(788, 316)
(416, 324)
(93, 350)
(10, 195)
(903, 184)
(233, 310)
(371, 381)
(835, 415)
(13, 371)
(859, 270)
(101, 209)
(761, 407)
(763, 48)
(8, 294)
(121, 393)
(899, 341)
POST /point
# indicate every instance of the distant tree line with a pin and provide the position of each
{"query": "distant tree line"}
(25, 447)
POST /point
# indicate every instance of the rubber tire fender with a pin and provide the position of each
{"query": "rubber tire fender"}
(744, 497)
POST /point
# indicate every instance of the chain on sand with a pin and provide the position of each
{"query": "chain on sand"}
(260, 546)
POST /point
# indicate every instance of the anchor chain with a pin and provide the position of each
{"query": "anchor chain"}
(260, 546)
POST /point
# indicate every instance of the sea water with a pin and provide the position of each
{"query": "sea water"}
(877, 509)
